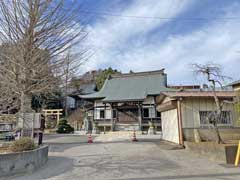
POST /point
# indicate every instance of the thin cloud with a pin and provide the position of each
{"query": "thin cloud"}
(111, 36)
(123, 44)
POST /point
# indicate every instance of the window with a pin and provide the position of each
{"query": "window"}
(114, 113)
(225, 117)
(102, 114)
(158, 114)
(207, 116)
(145, 112)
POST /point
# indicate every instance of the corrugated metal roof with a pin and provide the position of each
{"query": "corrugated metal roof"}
(131, 87)
(235, 83)
(229, 94)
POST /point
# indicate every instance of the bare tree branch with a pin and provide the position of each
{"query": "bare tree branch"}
(34, 36)
(213, 73)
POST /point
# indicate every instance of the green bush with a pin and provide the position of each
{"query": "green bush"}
(64, 127)
(23, 144)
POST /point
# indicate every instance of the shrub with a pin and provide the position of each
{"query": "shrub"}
(64, 127)
(23, 144)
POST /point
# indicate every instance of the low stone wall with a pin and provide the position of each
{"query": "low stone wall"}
(207, 134)
(218, 152)
(23, 162)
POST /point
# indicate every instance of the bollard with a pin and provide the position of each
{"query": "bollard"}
(134, 139)
(40, 137)
(90, 138)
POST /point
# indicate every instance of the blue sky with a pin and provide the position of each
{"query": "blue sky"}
(193, 32)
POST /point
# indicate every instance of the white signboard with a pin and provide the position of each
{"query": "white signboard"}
(30, 120)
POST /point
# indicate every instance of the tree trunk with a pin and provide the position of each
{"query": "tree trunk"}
(26, 103)
(217, 116)
(66, 106)
(66, 85)
(219, 139)
(25, 107)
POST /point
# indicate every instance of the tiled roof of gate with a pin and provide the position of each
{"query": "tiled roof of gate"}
(131, 87)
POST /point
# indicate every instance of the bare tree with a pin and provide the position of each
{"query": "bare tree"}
(215, 78)
(70, 68)
(34, 34)
(8, 100)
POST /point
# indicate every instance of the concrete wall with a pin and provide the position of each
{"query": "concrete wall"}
(207, 134)
(23, 162)
(217, 152)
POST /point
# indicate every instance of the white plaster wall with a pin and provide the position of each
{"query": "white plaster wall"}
(108, 112)
(149, 100)
(152, 111)
(28, 120)
(98, 103)
(97, 113)
(170, 126)
(70, 102)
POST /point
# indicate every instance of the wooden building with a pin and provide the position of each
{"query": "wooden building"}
(128, 101)
(235, 85)
(184, 112)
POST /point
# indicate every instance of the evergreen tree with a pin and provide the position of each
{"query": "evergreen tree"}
(104, 75)
(64, 127)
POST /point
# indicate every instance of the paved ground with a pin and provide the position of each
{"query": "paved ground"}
(71, 159)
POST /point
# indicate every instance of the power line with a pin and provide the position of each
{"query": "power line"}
(158, 18)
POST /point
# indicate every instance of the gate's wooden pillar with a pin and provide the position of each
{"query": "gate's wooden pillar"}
(104, 126)
(112, 122)
(140, 116)
(58, 117)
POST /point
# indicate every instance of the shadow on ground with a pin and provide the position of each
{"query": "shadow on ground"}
(55, 147)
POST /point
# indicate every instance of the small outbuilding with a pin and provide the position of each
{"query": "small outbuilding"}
(235, 85)
(183, 112)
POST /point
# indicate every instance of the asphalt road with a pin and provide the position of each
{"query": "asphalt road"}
(70, 158)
